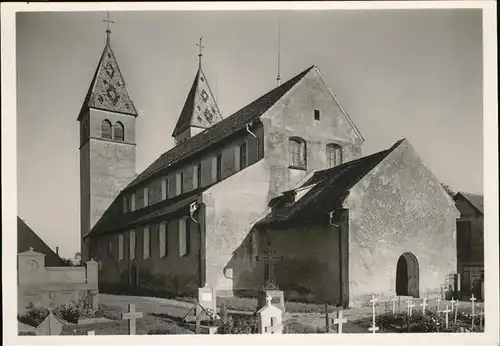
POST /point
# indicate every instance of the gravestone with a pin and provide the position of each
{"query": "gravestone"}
(131, 315)
(270, 318)
(270, 288)
(51, 325)
(206, 299)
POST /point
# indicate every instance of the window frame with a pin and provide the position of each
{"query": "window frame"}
(301, 144)
(334, 154)
(107, 123)
(218, 175)
(243, 155)
(165, 249)
(119, 125)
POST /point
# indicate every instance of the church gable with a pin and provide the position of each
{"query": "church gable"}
(310, 108)
(107, 90)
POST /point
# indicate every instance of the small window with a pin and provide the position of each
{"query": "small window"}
(146, 247)
(316, 114)
(125, 204)
(120, 247)
(132, 202)
(163, 240)
(118, 132)
(333, 155)
(146, 196)
(297, 151)
(181, 182)
(219, 167)
(164, 187)
(106, 129)
(243, 155)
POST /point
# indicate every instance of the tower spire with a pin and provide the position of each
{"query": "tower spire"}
(108, 30)
(278, 78)
(200, 53)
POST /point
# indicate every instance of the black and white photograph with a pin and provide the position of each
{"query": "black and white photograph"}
(281, 170)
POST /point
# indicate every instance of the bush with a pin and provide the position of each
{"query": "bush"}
(35, 315)
(239, 325)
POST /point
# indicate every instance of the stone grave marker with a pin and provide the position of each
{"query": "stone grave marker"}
(51, 325)
(453, 302)
(131, 315)
(206, 299)
(424, 305)
(410, 306)
(270, 319)
(446, 312)
(339, 321)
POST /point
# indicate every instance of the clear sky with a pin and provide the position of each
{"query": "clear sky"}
(415, 74)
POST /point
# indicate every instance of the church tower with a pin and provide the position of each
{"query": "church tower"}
(200, 110)
(107, 142)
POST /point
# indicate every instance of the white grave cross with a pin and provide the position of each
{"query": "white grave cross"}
(410, 306)
(131, 315)
(340, 320)
(453, 302)
(446, 311)
(424, 305)
(472, 299)
(373, 328)
(438, 301)
(394, 300)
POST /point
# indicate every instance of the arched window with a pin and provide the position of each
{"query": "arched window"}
(333, 155)
(298, 154)
(106, 129)
(118, 132)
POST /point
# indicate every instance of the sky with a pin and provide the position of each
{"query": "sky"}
(414, 74)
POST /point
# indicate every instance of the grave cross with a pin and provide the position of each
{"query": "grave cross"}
(438, 300)
(446, 311)
(131, 315)
(456, 313)
(410, 306)
(472, 299)
(339, 321)
(424, 305)
(394, 304)
(453, 302)
(373, 328)
(270, 259)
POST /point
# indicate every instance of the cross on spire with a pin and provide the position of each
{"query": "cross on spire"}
(109, 22)
(200, 49)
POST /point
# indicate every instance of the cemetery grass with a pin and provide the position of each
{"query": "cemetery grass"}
(250, 305)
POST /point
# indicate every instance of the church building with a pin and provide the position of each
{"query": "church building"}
(285, 171)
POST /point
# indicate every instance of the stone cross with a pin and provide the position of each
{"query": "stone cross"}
(410, 306)
(270, 259)
(394, 304)
(424, 305)
(373, 328)
(472, 299)
(438, 300)
(339, 321)
(91, 332)
(453, 302)
(131, 315)
(446, 311)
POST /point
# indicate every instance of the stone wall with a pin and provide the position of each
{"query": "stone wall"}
(399, 207)
(52, 286)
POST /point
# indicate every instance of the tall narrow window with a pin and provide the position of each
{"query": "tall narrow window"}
(316, 114)
(181, 182)
(162, 240)
(120, 247)
(164, 186)
(184, 237)
(106, 129)
(333, 155)
(118, 132)
(132, 245)
(219, 167)
(297, 152)
(198, 175)
(146, 243)
(243, 155)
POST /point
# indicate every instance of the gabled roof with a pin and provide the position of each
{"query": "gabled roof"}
(27, 238)
(108, 90)
(476, 200)
(219, 131)
(329, 189)
(200, 109)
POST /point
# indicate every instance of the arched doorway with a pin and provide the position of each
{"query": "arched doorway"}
(407, 276)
